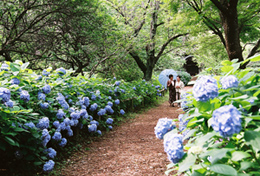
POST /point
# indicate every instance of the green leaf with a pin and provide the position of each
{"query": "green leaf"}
(223, 169)
(244, 165)
(16, 108)
(239, 155)
(226, 68)
(197, 174)
(37, 163)
(217, 154)
(20, 130)
(11, 141)
(226, 62)
(253, 138)
(255, 117)
(14, 67)
(203, 106)
(25, 65)
(187, 163)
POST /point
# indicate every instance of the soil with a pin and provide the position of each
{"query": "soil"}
(130, 149)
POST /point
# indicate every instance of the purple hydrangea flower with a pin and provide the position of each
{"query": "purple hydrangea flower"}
(226, 120)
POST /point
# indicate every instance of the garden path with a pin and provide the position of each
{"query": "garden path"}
(130, 149)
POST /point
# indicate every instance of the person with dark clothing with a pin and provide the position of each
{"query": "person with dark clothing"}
(172, 90)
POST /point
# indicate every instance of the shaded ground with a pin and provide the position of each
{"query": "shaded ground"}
(130, 149)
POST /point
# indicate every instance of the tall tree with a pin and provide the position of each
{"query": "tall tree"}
(149, 35)
(232, 21)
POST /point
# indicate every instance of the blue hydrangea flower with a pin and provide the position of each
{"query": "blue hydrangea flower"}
(229, 82)
(57, 136)
(63, 142)
(99, 132)
(5, 94)
(9, 103)
(70, 133)
(25, 96)
(109, 121)
(56, 124)
(29, 124)
(117, 101)
(134, 88)
(46, 89)
(183, 123)
(109, 109)
(152, 85)
(48, 166)
(122, 112)
(44, 105)
(70, 101)
(157, 87)
(75, 115)
(110, 103)
(205, 88)
(51, 153)
(94, 122)
(92, 128)
(226, 120)
(90, 118)
(71, 110)
(117, 83)
(41, 96)
(15, 81)
(66, 121)
(5, 67)
(39, 78)
(110, 91)
(93, 107)
(43, 123)
(83, 112)
(122, 90)
(102, 112)
(110, 127)
(86, 101)
(114, 78)
(116, 89)
(173, 147)
(45, 73)
(62, 101)
(85, 116)
(46, 137)
(163, 126)
(109, 97)
(93, 97)
(60, 114)
(61, 71)
(62, 125)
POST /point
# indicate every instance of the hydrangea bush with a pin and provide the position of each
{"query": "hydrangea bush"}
(220, 125)
(40, 114)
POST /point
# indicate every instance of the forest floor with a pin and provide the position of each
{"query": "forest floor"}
(130, 149)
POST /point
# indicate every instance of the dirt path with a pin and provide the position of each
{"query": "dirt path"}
(130, 149)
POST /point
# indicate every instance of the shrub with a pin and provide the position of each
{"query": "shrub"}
(185, 77)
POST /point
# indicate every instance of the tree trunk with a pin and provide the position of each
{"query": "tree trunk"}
(149, 69)
(231, 29)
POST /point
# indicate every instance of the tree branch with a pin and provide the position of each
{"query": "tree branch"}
(219, 6)
(254, 49)
(138, 61)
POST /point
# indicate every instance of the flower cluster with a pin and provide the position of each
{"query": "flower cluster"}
(57, 136)
(43, 123)
(9, 103)
(44, 105)
(62, 101)
(15, 81)
(4, 67)
(48, 166)
(110, 104)
(46, 137)
(51, 153)
(29, 124)
(117, 101)
(163, 126)
(205, 88)
(60, 114)
(25, 96)
(92, 128)
(93, 107)
(109, 121)
(122, 112)
(229, 82)
(41, 96)
(109, 109)
(46, 89)
(102, 112)
(134, 88)
(61, 71)
(45, 72)
(117, 83)
(226, 120)
(173, 146)
(5, 94)
(63, 142)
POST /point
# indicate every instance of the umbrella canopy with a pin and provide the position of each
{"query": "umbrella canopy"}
(164, 76)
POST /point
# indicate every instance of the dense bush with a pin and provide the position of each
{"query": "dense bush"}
(40, 114)
(185, 77)
(219, 132)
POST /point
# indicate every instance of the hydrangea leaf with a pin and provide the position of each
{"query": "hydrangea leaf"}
(223, 169)
(187, 163)
(217, 154)
(245, 165)
(253, 138)
(239, 155)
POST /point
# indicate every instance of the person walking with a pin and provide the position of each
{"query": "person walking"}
(172, 91)
(179, 86)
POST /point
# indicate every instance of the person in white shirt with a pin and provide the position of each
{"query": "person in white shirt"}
(179, 86)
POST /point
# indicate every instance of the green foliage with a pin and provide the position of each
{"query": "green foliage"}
(185, 77)
(215, 154)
